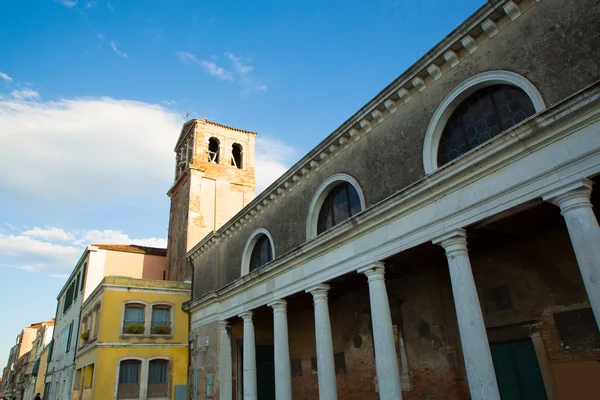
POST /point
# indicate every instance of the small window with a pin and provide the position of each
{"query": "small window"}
(262, 253)
(341, 203)
(89, 376)
(213, 150)
(483, 115)
(236, 155)
(158, 385)
(96, 322)
(134, 319)
(129, 379)
(82, 276)
(77, 380)
(161, 320)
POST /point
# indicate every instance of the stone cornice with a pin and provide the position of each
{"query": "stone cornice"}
(534, 133)
(465, 40)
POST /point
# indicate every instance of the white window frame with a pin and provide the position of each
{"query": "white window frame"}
(144, 370)
(458, 95)
(319, 198)
(146, 323)
(143, 373)
(250, 243)
(171, 317)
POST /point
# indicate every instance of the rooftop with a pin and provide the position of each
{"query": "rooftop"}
(204, 120)
(133, 248)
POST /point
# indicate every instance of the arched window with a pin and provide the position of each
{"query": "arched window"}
(236, 155)
(483, 115)
(213, 150)
(341, 203)
(134, 319)
(129, 379)
(261, 253)
(158, 379)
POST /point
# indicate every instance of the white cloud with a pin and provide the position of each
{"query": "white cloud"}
(209, 66)
(93, 151)
(186, 57)
(216, 71)
(59, 276)
(100, 36)
(91, 4)
(110, 236)
(67, 3)
(25, 94)
(238, 66)
(50, 234)
(273, 158)
(5, 77)
(28, 253)
(110, 6)
(247, 80)
(35, 250)
(11, 226)
(116, 50)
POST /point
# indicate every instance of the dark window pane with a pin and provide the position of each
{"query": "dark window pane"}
(354, 200)
(261, 254)
(483, 115)
(341, 210)
(341, 203)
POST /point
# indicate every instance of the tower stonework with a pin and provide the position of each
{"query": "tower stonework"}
(214, 179)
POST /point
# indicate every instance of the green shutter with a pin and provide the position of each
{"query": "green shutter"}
(69, 337)
(82, 276)
(50, 351)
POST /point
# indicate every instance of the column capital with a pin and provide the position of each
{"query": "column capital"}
(224, 324)
(246, 316)
(454, 241)
(373, 271)
(278, 305)
(571, 196)
(319, 291)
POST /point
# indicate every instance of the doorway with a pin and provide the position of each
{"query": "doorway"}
(518, 371)
(265, 371)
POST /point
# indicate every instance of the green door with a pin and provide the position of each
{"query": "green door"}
(265, 372)
(518, 371)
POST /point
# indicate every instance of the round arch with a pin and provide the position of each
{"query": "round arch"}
(319, 198)
(250, 243)
(460, 93)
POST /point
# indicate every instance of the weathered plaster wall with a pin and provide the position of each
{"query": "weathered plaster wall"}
(208, 194)
(553, 44)
(542, 277)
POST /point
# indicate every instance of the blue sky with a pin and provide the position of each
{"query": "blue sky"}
(93, 93)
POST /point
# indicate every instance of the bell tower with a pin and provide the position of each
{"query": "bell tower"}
(214, 180)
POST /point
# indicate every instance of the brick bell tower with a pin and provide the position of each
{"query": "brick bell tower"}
(214, 180)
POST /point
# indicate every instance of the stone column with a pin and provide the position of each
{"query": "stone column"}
(475, 346)
(386, 362)
(225, 368)
(250, 392)
(325, 363)
(576, 208)
(283, 370)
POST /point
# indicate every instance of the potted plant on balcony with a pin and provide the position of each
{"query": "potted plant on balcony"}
(162, 329)
(134, 328)
(85, 336)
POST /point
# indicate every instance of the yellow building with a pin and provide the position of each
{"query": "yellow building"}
(133, 338)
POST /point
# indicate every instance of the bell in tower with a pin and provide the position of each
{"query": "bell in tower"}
(214, 180)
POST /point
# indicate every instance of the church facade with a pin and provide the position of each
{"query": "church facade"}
(442, 243)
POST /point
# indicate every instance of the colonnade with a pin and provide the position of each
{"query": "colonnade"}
(584, 231)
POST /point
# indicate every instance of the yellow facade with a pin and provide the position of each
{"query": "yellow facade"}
(39, 381)
(153, 363)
